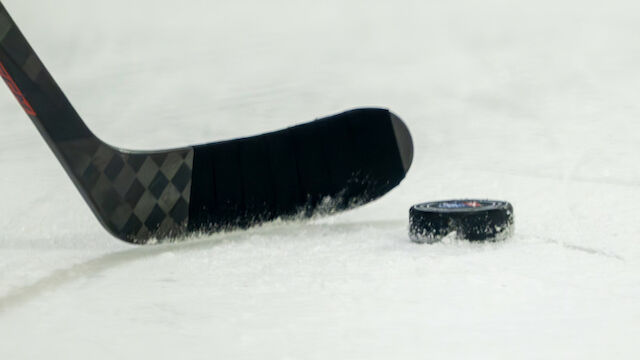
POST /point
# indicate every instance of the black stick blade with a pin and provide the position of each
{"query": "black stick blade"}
(324, 166)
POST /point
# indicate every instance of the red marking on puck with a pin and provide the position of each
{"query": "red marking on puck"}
(473, 204)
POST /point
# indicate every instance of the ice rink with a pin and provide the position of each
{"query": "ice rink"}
(535, 102)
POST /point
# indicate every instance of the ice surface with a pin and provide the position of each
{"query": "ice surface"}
(531, 102)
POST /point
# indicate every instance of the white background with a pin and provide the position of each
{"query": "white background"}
(531, 102)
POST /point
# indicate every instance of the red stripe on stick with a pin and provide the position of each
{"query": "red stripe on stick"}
(16, 91)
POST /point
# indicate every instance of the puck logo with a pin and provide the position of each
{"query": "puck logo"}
(16, 91)
(459, 204)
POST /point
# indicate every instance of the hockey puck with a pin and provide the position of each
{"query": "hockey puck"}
(474, 220)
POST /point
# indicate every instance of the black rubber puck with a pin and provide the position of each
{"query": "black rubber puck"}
(474, 220)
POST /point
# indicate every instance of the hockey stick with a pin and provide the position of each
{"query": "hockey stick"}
(349, 158)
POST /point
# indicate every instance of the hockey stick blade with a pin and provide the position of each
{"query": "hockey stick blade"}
(323, 166)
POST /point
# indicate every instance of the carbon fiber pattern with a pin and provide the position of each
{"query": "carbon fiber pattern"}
(138, 195)
(135, 195)
(5, 23)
